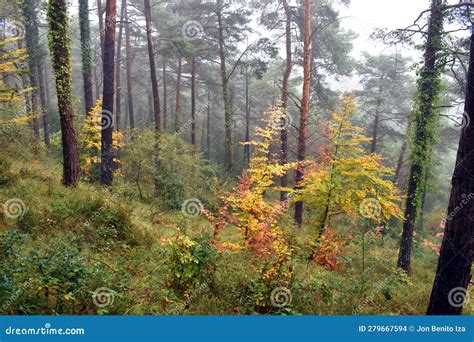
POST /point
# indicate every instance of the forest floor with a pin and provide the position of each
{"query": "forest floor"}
(89, 250)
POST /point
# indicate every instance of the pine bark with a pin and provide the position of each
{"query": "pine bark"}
(131, 114)
(228, 111)
(453, 272)
(106, 175)
(284, 98)
(118, 85)
(304, 112)
(61, 61)
(84, 27)
(427, 93)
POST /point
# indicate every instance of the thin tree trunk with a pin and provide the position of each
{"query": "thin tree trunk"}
(118, 86)
(177, 118)
(106, 175)
(44, 105)
(453, 273)
(375, 129)
(304, 110)
(284, 99)
(61, 61)
(193, 103)
(131, 114)
(84, 26)
(247, 118)
(403, 151)
(165, 97)
(154, 84)
(100, 13)
(428, 89)
(208, 125)
(225, 92)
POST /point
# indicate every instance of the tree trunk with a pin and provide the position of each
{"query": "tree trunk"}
(165, 97)
(304, 112)
(454, 264)
(84, 26)
(426, 116)
(131, 114)
(403, 150)
(177, 117)
(284, 99)
(193, 103)
(225, 92)
(118, 86)
(208, 125)
(44, 104)
(106, 175)
(247, 118)
(100, 13)
(61, 61)
(154, 85)
(375, 129)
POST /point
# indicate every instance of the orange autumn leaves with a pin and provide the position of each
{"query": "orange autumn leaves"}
(341, 176)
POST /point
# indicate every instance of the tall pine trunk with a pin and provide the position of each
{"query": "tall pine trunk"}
(304, 112)
(59, 46)
(106, 174)
(84, 26)
(228, 111)
(247, 117)
(455, 260)
(428, 87)
(131, 114)
(193, 102)
(154, 86)
(177, 117)
(284, 99)
(165, 96)
(118, 86)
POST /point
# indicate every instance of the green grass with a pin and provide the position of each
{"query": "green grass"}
(53, 261)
